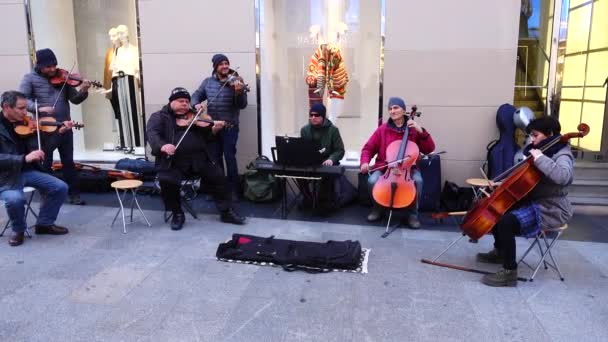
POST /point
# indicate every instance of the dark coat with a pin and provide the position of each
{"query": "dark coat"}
(328, 137)
(11, 162)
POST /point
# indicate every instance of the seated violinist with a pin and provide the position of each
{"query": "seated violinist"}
(320, 129)
(545, 206)
(190, 160)
(377, 144)
(20, 166)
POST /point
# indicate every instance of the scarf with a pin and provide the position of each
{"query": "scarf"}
(551, 151)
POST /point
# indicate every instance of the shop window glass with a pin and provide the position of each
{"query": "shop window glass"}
(78, 31)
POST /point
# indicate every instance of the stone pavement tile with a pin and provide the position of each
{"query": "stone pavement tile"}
(593, 253)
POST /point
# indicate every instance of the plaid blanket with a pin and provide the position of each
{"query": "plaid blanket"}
(529, 219)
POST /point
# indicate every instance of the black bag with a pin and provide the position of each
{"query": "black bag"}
(293, 255)
(344, 192)
(455, 198)
(260, 186)
(363, 195)
(140, 165)
(89, 179)
(430, 168)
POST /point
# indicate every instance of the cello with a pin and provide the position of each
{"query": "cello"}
(517, 182)
(396, 189)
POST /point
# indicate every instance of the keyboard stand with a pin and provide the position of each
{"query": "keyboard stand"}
(286, 207)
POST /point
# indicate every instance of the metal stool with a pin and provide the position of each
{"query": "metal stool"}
(549, 243)
(127, 185)
(479, 186)
(28, 205)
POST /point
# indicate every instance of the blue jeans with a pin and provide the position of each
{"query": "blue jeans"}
(416, 176)
(225, 147)
(54, 192)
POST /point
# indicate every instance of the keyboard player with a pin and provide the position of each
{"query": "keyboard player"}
(323, 131)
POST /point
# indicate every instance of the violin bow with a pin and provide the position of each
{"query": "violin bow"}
(199, 112)
(64, 83)
(37, 124)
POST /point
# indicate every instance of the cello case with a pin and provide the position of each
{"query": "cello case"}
(501, 152)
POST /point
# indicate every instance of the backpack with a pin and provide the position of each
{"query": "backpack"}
(260, 186)
(344, 192)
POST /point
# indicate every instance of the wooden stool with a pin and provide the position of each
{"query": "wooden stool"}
(127, 185)
(479, 186)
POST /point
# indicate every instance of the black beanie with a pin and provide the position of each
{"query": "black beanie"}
(179, 93)
(217, 59)
(318, 108)
(45, 58)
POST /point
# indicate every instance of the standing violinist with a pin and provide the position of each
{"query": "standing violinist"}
(377, 144)
(54, 100)
(226, 107)
(547, 205)
(188, 160)
(19, 167)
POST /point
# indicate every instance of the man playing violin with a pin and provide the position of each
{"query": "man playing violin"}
(377, 144)
(547, 205)
(231, 97)
(54, 100)
(323, 131)
(190, 159)
(19, 167)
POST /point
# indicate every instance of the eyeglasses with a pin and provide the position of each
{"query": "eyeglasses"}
(314, 115)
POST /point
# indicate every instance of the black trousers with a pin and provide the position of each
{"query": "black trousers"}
(504, 233)
(325, 191)
(65, 144)
(211, 175)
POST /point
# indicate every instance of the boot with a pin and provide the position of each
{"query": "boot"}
(178, 219)
(375, 214)
(413, 221)
(492, 257)
(76, 200)
(230, 216)
(16, 239)
(50, 230)
(503, 277)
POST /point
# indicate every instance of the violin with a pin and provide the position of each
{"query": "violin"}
(47, 124)
(234, 79)
(186, 119)
(112, 173)
(73, 80)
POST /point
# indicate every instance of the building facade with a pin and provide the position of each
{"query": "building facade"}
(458, 61)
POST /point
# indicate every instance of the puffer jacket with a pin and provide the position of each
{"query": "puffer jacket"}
(550, 194)
(36, 86)
(227, 105)
(11, 163)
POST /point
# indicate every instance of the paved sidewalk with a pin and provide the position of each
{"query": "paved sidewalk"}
(153, 284)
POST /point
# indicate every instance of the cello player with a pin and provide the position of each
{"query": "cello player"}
(545, 206)
(377, 144)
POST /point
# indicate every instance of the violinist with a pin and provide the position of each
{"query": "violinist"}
(545, 206)
(226, 107)
(377, 145)
(19, 167)
(54, 100)
(191, 159)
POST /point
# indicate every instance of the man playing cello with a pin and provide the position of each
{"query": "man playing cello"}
(545, 206)
(377, 144)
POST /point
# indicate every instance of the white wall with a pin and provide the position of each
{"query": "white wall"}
(456, 61)
(178, 53)
(14, 50)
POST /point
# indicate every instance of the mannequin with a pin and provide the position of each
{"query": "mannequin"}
(107, 82)
(338, 78)
(125, 77)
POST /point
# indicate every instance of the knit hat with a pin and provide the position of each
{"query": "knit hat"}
(45, 58)
(179, 93)
(217, 59)
(318, 108)
(396, 101)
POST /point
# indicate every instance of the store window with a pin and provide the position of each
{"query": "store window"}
(295, 39)
(99, 40)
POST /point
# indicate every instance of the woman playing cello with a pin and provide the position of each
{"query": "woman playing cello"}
(545, 206)
(377, 145)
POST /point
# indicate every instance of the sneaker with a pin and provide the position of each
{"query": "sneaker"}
(50, 230)
(503, 277)
(413, 222)
(76, 200)
(230, 216)
(177, 220)
(375, 214)
(492, 257)
(16, 239)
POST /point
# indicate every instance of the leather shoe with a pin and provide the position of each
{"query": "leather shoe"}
(76, 200)
(413, 222)
(375, 214)
(230, 216)
(16, 239)
(177, 221)
(51, 230)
